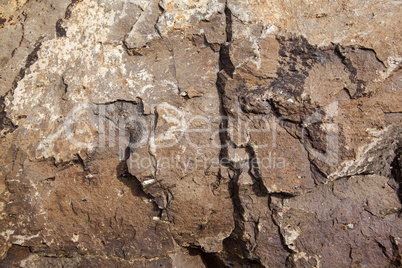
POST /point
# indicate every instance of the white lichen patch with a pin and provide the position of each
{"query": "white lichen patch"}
(148, 182)
(7, 234)
(290, 234)
(177, 14)
(303, 255)
(71, 73)
(75, 237)
(20, 239)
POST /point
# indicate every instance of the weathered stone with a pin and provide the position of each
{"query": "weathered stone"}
(210, 133)
(343, 223)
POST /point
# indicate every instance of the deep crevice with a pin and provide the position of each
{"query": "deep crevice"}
(117, 101)
(226, 68)
(396, 171)
(130, 180)
(224, 259)
(225, 63)
(6, 124)
(226, 71)
(211, 260)
(258, 186)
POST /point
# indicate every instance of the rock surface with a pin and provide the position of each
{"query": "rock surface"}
(212, 133)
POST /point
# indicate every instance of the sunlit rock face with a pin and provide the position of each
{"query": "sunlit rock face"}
(210, 133)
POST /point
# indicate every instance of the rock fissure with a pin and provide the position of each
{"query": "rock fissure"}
(200, 134)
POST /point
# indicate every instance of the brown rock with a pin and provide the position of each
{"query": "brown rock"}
(200, 133)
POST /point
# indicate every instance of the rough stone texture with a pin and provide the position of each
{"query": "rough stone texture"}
(211, 133)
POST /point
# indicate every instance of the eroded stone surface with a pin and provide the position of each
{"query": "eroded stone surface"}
(200, 133)
(354, 218)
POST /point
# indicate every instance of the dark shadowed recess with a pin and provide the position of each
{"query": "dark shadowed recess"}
(396, 171)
